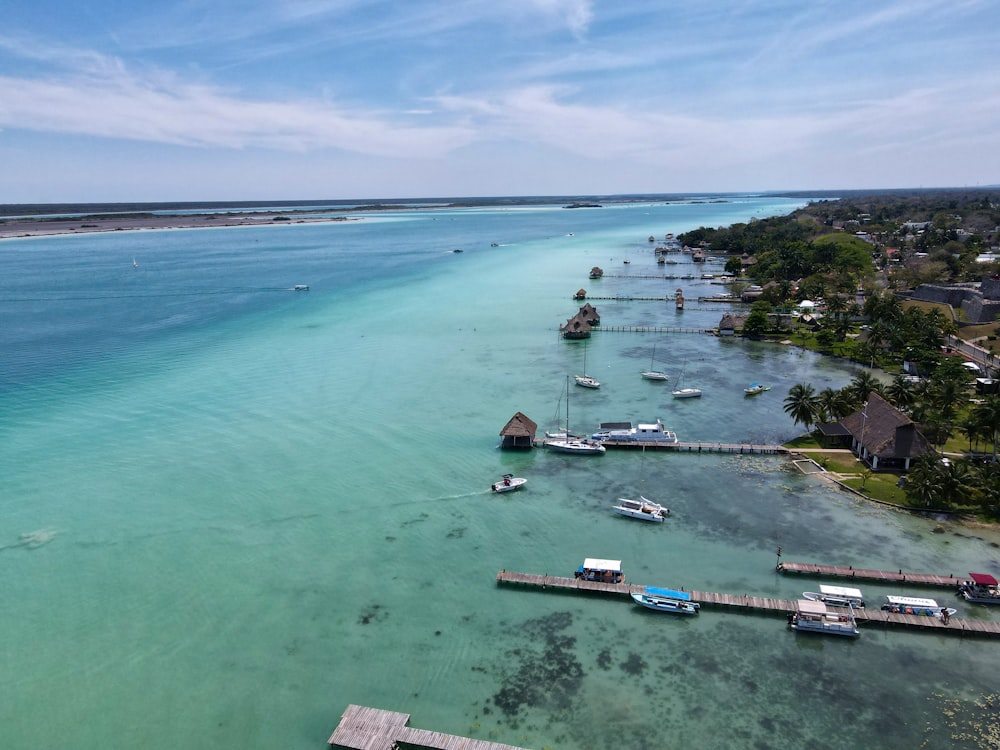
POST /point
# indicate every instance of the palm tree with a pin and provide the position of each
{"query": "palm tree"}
(925, 482)
(987, 415)
(900, 392)
(863, 384)
(802, 405)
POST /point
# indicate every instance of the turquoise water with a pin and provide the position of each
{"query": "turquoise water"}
(230, 509)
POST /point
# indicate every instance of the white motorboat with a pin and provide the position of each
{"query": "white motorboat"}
(915, 605)
(836, 596)
(600, 571)
(509, 483)
(982, 589)
(666, 600)
(813, 617)
(643, 509)
(642, 432)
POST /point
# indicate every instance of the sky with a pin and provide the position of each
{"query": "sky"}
(178, 100)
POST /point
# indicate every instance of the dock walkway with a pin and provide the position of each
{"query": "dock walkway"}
(363, 728)
(746, 448)
(747, 603)
(865, 574)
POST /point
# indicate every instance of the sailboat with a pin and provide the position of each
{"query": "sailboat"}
(570, 444)
(134, 264)
(652, 374)
(689, 392)
(585, 380)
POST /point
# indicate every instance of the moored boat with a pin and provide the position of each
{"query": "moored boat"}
(837, 596)
(509, 483)
(813, 617)
(754, 388)
(644, 509)
(915, 605)
(666, 600)
(600, 570)
(982, 589)
(642, 432)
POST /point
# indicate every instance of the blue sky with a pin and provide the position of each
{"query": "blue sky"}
(250, 100)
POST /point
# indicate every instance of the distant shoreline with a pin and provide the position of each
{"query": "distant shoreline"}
(49, 226)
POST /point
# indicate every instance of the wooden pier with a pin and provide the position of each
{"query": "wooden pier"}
(761, 604)
(865, 574)
(363, 728)
(662, 445)
(650, 329)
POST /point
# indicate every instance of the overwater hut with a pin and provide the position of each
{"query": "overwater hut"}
(883, 437)
(576, 328)
(590, 314)
(580, 294)
(596, 272)
(679, 298)
(518, 433)
(730, 323)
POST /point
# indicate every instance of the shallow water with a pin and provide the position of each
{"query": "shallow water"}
(231, 509)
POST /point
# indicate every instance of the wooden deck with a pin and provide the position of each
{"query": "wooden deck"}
(363, 728)
(746, 448)
(865, 574)
(760, 604)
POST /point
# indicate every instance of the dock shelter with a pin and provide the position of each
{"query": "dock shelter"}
(519, 432)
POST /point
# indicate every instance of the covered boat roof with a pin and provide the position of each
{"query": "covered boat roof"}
(983, 579)
(810, 607)
(843, 591)
(596, 563)
(683, 596)
(912, 601)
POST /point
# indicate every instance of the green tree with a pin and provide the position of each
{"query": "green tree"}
(756, 323)
(987, 416)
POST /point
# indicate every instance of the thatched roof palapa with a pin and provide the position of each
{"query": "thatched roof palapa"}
(884, 435)
(519, 432)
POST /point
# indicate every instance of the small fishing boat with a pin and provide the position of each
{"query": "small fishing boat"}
(754, 388)
(813, 617)
(836, 596)
(644, 509)
(509, 483)
(666, 600)
(915, 605)
(982, 589)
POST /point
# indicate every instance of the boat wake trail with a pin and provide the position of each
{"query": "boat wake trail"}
(32, 539)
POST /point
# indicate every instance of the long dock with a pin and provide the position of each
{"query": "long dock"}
(364, 728)
(747, 603)
(662, 445)
(866, 574)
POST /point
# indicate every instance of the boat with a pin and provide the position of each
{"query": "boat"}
(813, 617)
(641, 433)
(509, 483)
(681, 392)
(754, 388)
(666, 600)
(982, 589)
(300, 288)
(914, 605)
(600, 571)
(644, 509)
(837, 596)
(585, 380)
(652, 374)
(134, 264)
(568, 443)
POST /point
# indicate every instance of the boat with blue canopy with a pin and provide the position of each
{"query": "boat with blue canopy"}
(666, 600)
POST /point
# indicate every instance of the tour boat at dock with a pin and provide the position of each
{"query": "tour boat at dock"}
(982, 589)
(666, 600)
(914, 605)
(836, 596)
(643, 432)
(600, 571)
(813, 617)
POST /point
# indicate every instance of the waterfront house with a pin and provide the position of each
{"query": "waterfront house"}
(883, 437)
(730, 323)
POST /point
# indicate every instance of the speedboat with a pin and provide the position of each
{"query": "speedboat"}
(836, 596)
(666, 600)
(643, 509)
(914, 605)
(983, 589)
(813, 617)
(509, 483)
(754, 388)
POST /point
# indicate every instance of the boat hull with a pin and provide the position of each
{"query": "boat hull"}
(515, 484)
(687, 393)
(668, 606)
(575, 447)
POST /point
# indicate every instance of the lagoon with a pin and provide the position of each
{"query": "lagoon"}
(231, 509)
